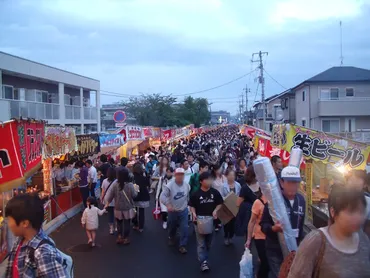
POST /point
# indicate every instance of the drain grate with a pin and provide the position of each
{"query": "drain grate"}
(82, 248)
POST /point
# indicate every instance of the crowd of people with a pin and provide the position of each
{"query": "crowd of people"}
(188, 182)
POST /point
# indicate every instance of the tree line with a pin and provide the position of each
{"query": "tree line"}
(161, 110)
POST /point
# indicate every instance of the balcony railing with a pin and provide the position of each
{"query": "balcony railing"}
(359, 136)
(73, 112)
(350, 106)
(36, 110)
(90, 113)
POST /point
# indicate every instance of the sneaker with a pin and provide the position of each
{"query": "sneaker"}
(204, 267)
(183, 250)
(227, 242)
(89, 242)
(119, 240)
(164, 225)
(171, 242)
(111, 232)
(217, 229)
(126, 241)
(151, 191)
(93, 244)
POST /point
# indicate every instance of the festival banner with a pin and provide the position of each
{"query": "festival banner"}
(179, 132)
(156, 132)
(264, 148)
(320, 146)
(148, 132)
(134, 133)
(309, 183)
(166, 134)
(111, 140)
(88, 144)
(20, 153)
(59, 140)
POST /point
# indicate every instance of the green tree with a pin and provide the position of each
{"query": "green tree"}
(195, 110)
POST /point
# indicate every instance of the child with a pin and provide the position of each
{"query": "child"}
(25, 215)
(90, 220)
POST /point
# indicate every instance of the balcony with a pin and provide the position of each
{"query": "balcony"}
(73, 112)
(90, 113)
(355, 106)
(36, 110)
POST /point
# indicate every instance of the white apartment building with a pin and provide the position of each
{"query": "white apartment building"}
(32, 90)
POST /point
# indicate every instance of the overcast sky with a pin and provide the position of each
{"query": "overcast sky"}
(183, 46)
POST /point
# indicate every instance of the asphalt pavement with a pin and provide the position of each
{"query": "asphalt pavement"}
(148, 255)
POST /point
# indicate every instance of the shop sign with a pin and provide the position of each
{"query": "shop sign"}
(264, 148)
(88, 144)
(156, 132)
(59, 141)
(134, 133)
(148, 132)
(179, 133)
(20, 153)
(111, 140)
(320, 146)
(166, 134)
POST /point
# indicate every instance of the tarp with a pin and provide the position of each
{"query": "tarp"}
(20, 153)
(321, 146)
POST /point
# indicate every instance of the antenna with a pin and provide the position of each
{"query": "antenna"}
(341, 44)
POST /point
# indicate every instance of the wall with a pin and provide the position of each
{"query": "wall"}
(19, 82)
(302, 107)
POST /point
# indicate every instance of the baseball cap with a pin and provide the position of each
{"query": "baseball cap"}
(291, 173)
(179, 171)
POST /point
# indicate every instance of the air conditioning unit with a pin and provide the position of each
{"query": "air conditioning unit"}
(76, 101)
(86, 102)
(67, 99)
(53, 98)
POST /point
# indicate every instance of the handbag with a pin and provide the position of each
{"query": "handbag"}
(288, 260)
(132, 212)
(156, 211)
(105, 192)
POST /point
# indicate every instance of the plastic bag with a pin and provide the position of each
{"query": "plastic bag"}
(246, 265)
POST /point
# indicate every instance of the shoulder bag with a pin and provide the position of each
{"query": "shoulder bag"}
(132, 211)
(288, 260)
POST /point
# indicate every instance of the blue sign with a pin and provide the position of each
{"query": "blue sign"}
(111, 140)
(119, 116)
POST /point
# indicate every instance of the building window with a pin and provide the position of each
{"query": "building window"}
(303, 122)
(329, 94)
(330, 126)
(350, 92)
(8, 92)
(304, 96)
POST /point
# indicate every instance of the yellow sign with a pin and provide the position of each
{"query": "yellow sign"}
(309, 181)
(320, 146)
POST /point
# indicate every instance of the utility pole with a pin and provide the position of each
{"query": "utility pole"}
(246, 102)
(242, 109)
(262, 82)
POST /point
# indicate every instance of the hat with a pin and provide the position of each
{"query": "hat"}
(179, 171)
(291, 173)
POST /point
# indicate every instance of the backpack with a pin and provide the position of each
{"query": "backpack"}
(67, 260)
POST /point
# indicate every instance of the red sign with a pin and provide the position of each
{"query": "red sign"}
(148, 132)
(119, 116)
(166, 134)
(266, 149)
(21, 150)
(134, 133)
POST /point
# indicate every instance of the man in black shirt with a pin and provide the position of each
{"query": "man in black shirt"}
(204, 204)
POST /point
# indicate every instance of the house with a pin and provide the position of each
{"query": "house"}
(273, 104)
(29, 89)
(335, 101)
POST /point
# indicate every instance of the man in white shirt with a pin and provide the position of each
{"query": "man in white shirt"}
(193, 165)
(92, 177)
(188, 172)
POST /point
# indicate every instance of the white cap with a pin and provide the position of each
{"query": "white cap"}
(291, 173)
(179, 171)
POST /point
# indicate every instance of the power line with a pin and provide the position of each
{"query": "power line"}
(275, 80)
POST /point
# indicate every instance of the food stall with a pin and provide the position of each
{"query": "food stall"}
(327, 157)
(21, 156)
(59, 142)
(133, 136)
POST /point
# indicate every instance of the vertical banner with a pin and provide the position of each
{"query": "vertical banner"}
(47, 174)
(309, 181)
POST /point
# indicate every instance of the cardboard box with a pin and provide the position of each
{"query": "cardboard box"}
(229, 209)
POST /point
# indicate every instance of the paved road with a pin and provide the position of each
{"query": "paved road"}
(147, 256)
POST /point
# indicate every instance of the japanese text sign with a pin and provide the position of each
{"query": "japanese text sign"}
(88, 144)
(148, 132)
(59, 141)
(134, 133)
(111, 140)
(166, 134)
(320, 146)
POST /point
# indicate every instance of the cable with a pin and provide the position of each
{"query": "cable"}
(255, 97)
(274, 79)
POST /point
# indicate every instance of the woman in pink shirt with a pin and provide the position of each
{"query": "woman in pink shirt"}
(254, 230)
